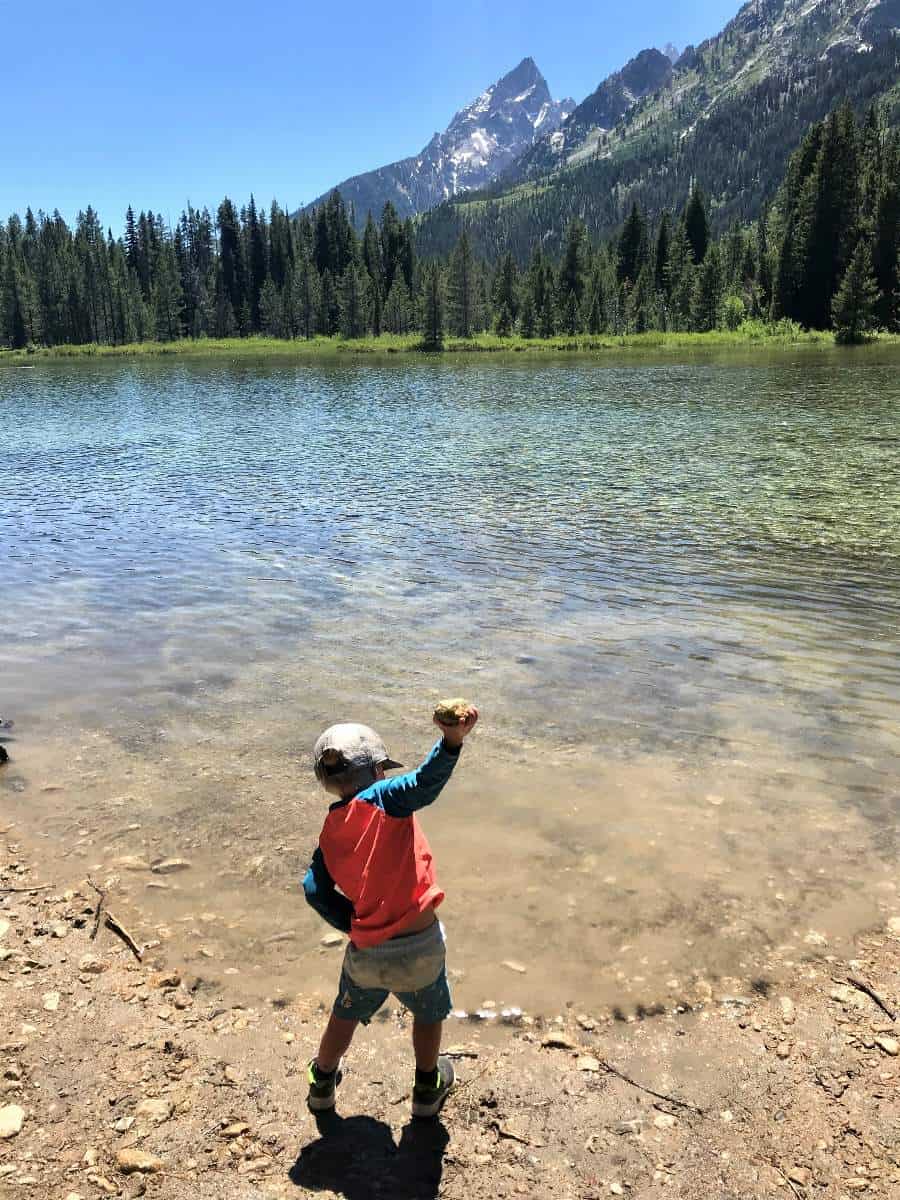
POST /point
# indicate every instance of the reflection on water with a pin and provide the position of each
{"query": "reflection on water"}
(673, 590)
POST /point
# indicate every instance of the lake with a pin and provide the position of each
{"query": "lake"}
(672, 588)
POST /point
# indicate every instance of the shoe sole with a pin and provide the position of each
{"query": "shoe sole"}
(320, 1103)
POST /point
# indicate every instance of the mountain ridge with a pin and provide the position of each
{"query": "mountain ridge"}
(482, 139)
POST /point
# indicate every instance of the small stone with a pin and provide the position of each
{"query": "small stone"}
(787, 1009)
(287, 1037)
(893, 925)
(90, 964)
(714, 800)
(856, 1185)
(138, 1160)
(512, 965)
(333, 939)
(587, 1023)
(59, 929)
(588, 1063)
(51, 1001)
(155, 1111)
(727, 1116)
(664, 1121)
(12, 1118)
(132, 862)
(235, 1130)
(123, 1125)
(841, 994)
(783, 1050)
(4, 927)
(800, 1175)
(167, 866)
(231, 1075)
(90, 1157)
(558, 1041)
(104, 1184)
(815, 939)
(626, 1127)
(889, 1045)
(164, 1012)
(616, 1189)
(74, 1196)
(166, 979)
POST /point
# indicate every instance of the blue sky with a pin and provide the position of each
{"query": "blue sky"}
(157, 105)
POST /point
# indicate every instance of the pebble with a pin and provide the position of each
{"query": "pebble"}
(104, 1184)
(333, 939)
(287, 1037)
(894, 924)
(137, 1160)
(131, 862)
(90, 964)
(558, 1041)
(51, 1001)
(166, 866)
(235, 1130)
(59, 929)
(889, 1045)
(787, 1009)
(783, 1050)
(12, 1118)
(512, 965)
(155, 1111)
(800, 1175)
(664, 1121)
(588, 1063)
(617, 1189)
(4, 927)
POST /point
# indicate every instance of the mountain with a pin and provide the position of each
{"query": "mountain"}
(579, 134)
(727, 114)
(481, 141)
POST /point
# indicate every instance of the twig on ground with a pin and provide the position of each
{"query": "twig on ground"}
(42, 888)
(100, 892)
(610, 1069)
(111, 923)
(505, 1132)
(789, 1182)
(862, 986)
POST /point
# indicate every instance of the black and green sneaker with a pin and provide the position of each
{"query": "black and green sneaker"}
(427, 1099)
(321, 1087)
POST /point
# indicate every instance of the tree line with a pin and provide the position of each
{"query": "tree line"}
(825, 254)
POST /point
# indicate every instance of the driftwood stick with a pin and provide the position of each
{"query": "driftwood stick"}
(610, 1069)
(42, 888)
(120, 931)
(102, 897)
(862, 986)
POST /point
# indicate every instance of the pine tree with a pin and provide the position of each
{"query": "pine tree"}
(570, 284)
(707, 295)
(397, 315)
(167, 298)
(306, 297)
(432, 309)
(233, 270)
(661, 254)
(855, 303)
(631, 243)
(527, 318)
(271, 313)
(461, 290)
(353, 302)
(696, 224)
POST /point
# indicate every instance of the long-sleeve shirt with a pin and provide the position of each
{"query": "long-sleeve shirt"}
(372, 848)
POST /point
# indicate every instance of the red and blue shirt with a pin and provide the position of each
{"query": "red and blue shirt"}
(373, 849)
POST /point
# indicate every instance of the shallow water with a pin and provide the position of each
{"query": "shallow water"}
(672, 589)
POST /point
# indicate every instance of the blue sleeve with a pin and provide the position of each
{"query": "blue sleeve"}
(403, 795)
(323, 896)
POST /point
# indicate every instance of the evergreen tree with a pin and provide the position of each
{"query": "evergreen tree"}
(855, 303)
(461, 290)
(696, 224)
(167, 296)
(233, 270)
(707, 295)
(397, 316)
(271, 311)
(527, 317)
(631, 244)
(661, 255)
(570, 284)
(329, 318)
(353, 302)
(433, 309)
(307, 300)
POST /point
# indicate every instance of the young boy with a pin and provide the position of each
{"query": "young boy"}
(372, 848)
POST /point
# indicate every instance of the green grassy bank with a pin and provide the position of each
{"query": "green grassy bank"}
(748, 335)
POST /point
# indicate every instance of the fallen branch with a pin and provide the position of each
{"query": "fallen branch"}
(120, 931)
(610, 1069)
(862, 986)
(504, 1131)
(42, 888)
(102, 896)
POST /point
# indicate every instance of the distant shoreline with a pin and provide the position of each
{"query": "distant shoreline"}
(336, 348)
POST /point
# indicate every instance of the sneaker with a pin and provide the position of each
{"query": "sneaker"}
(321, 1091)
(427, 1101)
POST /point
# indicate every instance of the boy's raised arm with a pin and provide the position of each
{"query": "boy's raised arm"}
(405, 794)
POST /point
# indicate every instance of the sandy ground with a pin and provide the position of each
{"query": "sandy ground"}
(127, 1078)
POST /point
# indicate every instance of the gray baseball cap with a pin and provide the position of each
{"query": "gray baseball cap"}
(349, 753)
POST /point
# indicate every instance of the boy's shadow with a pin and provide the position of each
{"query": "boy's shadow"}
(358, 1158)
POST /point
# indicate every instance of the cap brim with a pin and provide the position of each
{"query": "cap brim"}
(388, 764)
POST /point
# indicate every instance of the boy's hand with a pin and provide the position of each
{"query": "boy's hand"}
(454, 734)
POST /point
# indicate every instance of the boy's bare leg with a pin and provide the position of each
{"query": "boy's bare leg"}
(427, 1044)
(335, 1042)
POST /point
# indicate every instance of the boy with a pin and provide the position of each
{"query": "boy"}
(371, 846)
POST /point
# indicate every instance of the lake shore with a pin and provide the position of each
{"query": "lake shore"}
(751, 337)
(126, 1077)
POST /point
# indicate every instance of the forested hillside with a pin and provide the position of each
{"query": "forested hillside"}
(833, 231)
(730, 115)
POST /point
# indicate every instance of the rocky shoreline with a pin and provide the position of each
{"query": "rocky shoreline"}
(123, 1078)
